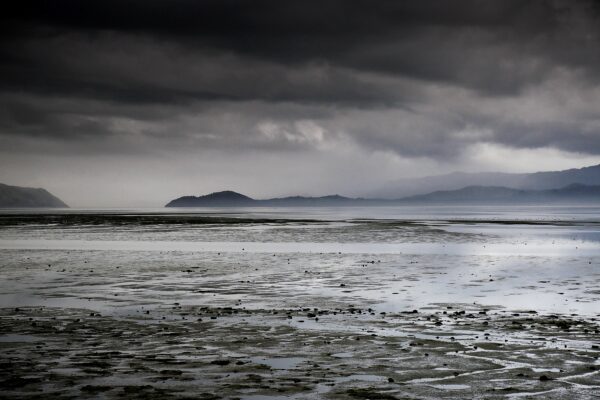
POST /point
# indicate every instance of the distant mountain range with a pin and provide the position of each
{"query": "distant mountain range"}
(574, 193)
(569, 186)
(24, 197)
(458, 180)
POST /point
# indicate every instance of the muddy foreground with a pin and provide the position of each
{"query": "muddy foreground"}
(210, 353)
(454, 323)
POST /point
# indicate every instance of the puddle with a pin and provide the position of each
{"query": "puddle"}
(279, 362)
(343, 355)
(361, 377)
(15, 338)
(450, 387)
(556, 370)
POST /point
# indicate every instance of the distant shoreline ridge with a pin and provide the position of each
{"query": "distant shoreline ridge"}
(568, 186)
(575, 192)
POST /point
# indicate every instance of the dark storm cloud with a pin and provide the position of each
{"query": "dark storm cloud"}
(472, 43)
(287, 31)
(417, 78)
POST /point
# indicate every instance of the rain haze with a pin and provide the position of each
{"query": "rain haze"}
(111, 103)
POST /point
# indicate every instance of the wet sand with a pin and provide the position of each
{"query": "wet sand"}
(207, 352)
(236, 323)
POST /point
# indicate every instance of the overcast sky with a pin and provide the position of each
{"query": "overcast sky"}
(135, 102)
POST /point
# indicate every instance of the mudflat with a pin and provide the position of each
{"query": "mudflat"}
(276, 308)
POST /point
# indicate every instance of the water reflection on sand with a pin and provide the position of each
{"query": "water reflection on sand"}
(318, 303)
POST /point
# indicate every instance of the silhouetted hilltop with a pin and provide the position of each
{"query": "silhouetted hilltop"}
(226, 198)
(574, 193)
(24, 197)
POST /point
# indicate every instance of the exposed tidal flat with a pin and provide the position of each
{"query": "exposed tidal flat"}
(385, 304)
